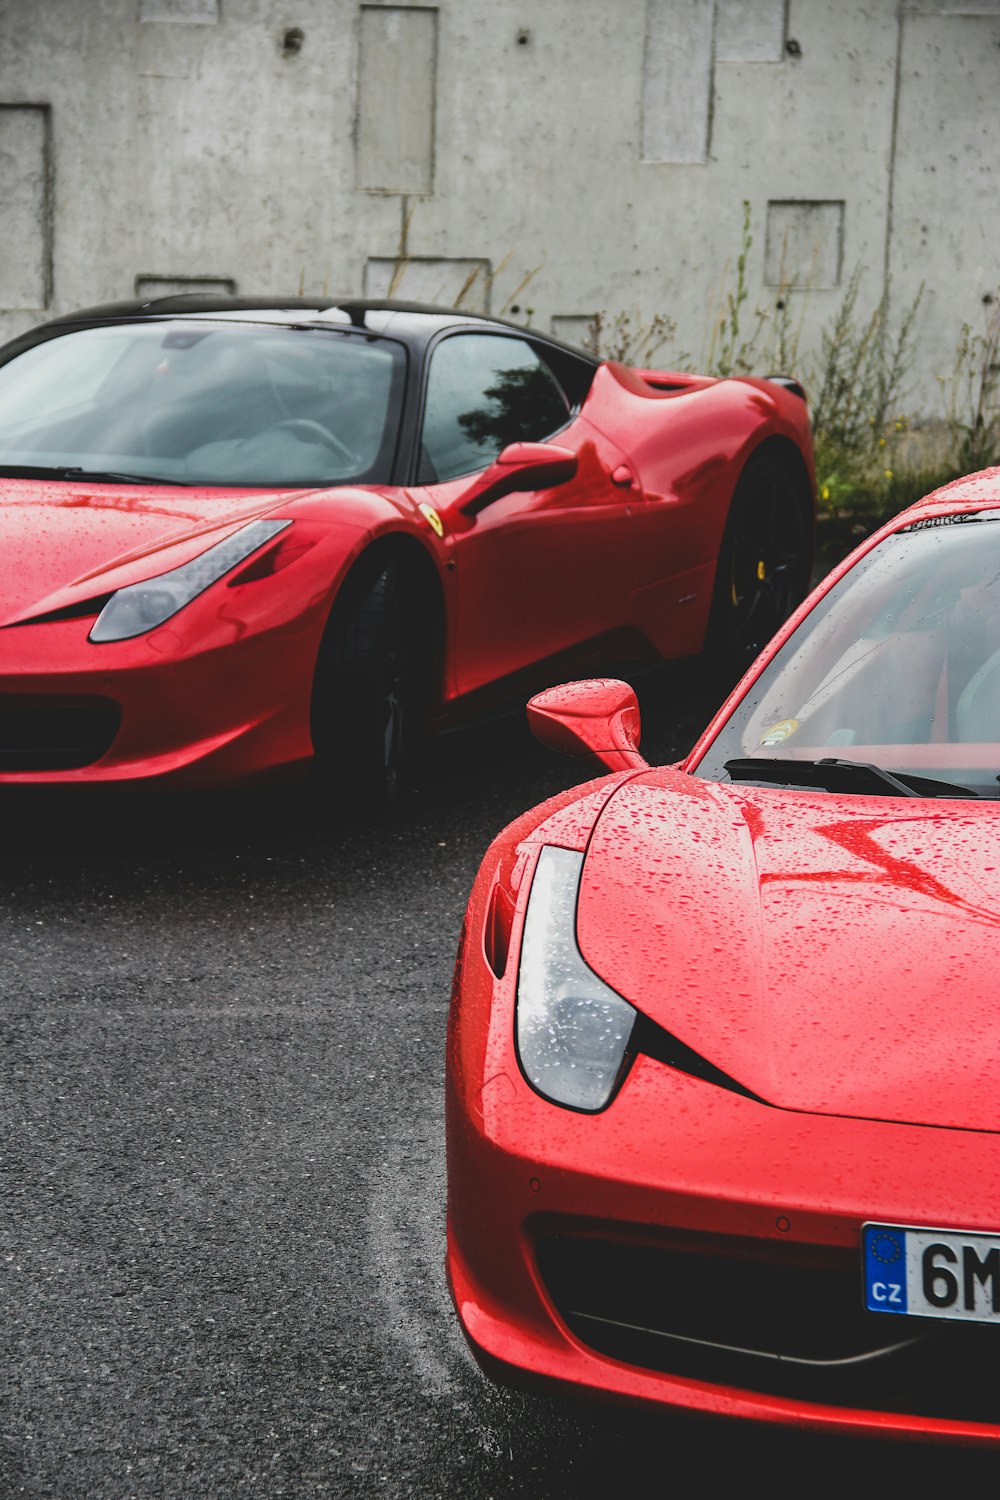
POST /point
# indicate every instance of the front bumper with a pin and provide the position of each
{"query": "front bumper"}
(595, 1254)
(164, 708)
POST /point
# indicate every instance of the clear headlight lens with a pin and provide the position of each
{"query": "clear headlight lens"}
(572, 1029)
(143, 606)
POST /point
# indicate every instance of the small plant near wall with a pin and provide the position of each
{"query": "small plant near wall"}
(862, 374)
(731, 350)
(867, 456)
(972, 394)
(739, 343)
(630, 340)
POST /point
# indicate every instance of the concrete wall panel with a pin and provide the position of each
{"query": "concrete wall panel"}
(949, 119)
(677, 80)
(804, 244)
(24, 206)
(396, 88)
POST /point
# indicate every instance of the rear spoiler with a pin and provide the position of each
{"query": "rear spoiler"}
(789, 383)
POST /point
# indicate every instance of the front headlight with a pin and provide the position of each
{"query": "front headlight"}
(572, 1029)
(142, 606)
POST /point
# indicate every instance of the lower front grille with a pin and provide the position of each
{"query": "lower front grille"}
(768, 1318)
(42, 732)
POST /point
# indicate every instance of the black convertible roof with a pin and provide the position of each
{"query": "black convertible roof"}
(412, 321)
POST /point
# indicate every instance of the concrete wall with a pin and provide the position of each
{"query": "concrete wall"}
(549, 160)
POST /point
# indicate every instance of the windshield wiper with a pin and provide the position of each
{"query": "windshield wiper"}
(101, 476)
(833, 774)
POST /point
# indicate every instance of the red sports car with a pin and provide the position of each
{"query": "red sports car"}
(243, 537)
(724, 1052)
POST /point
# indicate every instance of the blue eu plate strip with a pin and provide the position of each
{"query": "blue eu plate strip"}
(885, 1269)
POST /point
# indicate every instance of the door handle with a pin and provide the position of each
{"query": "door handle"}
(623, 477)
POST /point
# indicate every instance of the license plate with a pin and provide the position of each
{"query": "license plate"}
(931, 1273)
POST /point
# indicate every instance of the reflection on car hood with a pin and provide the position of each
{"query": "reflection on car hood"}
(834, 954)
(66, 542)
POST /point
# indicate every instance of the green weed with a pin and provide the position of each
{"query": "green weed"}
(972, 395)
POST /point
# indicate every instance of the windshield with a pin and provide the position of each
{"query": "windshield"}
(897, 667)
(195, 402)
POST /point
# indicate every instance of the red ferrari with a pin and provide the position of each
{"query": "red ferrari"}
(246, 537)
(723, 1086)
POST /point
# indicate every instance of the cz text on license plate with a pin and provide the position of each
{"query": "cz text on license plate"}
(931, 1273)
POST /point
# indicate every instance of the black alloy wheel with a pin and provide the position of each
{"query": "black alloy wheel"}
(367, 700)
(763, 564)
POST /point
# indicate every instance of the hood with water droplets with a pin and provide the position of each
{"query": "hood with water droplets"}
(834, 954)
(62, 542)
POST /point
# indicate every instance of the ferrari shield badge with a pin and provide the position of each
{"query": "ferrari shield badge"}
(432, 518)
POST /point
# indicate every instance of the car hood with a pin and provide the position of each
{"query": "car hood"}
(836, 955)
(62, 543)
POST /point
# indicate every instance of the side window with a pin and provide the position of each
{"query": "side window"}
(483, 392)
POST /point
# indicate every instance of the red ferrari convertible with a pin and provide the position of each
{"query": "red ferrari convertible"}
(723, 1085)
(246, 537)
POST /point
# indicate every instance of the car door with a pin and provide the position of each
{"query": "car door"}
(539, 572)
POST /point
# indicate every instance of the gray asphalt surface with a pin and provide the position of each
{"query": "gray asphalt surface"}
(222, 1174)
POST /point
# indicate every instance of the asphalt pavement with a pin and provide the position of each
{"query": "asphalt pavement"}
(222, 1170)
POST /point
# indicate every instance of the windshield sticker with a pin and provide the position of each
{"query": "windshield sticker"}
(779, 733)
(959, 518)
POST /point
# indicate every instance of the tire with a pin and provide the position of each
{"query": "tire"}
(763, 568)
(368, 704)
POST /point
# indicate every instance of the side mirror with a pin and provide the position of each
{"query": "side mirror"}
(597, 718)
(521, 466)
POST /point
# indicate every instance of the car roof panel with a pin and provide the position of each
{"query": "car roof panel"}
(416, 322)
